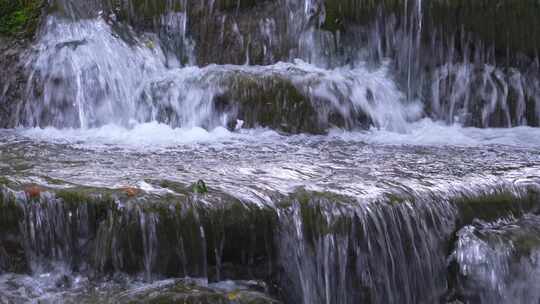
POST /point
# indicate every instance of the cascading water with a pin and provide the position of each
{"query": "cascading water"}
(332, 143)
(498, 262)
(82, 71)
(90, 69)
(363, 258)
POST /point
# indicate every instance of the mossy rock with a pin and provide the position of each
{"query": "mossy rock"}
(321, 213)
(270, 101)
(12, 256)
(186, 231)
(19, 17)
(186, 292)
(341, 14)
(228, 5)
(495, 205)
(10, 213)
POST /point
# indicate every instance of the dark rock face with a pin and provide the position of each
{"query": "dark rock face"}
(12, 254)
(229, 31)
(172, 236)
(13, 80)
(18, 25)
(464, 59)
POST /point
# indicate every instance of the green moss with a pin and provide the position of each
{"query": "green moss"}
(236, 4)
(83, 195)
(72, 196)
(189, 293)
(19, 16)
(305, 197)
(4, 181)
(316, 221)
(200, 187)
(526, 244)
(10, 213)
(269, 101)
(492, 206)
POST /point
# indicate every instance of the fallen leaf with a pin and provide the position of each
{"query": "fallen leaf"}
(33, 191)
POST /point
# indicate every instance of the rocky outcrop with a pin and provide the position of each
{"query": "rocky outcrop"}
(494, 262)
(19, 22)
(189, 292)
(13, 80)
(309, 246)
(176, 235)
(471, 62)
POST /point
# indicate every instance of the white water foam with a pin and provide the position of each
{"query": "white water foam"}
(147, 134)
(155, 135)
(119, 91)
(84, 75)
(433, 133)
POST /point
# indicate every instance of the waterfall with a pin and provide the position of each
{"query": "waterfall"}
(498, 261)
(108, 66)
(270, 151)
(315, 247)
(357, 256)
(86, 77)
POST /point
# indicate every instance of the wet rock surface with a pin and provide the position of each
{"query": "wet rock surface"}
(160, 172)
(19, 23)
(495, 261)
(12, 80)
(345, 237)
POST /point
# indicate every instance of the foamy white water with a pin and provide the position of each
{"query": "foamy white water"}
(143, 135)
(85, 76)
(156, 135)
(433, 133)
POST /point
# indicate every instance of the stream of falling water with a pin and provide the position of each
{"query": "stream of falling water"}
(115, 83)
(93, 71)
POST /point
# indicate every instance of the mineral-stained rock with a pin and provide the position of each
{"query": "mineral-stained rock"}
(189, 292)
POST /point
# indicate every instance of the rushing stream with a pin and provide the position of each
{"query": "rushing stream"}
(277, 151)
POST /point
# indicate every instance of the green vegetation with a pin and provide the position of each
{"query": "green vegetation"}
(236, 4)
(322, 213)
(492, 206)
(19, 16)
(200, 187)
